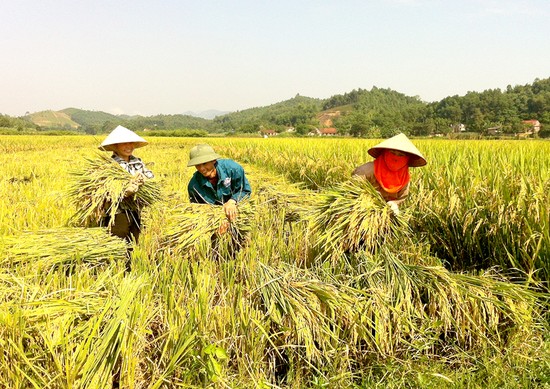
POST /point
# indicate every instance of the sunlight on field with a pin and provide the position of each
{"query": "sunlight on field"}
(455, 296)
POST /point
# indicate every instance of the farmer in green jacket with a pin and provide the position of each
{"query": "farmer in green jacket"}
(217, 181)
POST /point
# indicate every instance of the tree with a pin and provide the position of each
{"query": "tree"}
(357, 123)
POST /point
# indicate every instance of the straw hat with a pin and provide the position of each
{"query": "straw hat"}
(122, 135)
(400, 142)
(201, 154)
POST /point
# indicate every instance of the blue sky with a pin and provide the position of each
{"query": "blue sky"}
(169, 57)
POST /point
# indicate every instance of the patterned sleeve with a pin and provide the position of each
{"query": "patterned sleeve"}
(147, 173)
(138, 166)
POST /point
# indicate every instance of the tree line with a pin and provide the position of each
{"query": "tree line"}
(383, 112)
(377, 112)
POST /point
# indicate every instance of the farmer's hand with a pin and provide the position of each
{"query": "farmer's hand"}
(131, 189)
(139, 178)
(394, 207)
(230, 209)
(224, 226)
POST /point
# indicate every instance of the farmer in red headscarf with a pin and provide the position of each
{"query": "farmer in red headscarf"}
(389, 172)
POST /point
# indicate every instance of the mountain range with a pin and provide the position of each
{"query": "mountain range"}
(360, 112)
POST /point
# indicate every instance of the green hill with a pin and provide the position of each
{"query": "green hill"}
(53, 119)
(88, 118)
(100, 122)
(295, 112)
(166, 122)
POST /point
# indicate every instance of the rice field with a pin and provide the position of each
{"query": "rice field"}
(318, 284)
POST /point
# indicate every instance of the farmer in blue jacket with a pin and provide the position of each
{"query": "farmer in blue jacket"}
(217, 181)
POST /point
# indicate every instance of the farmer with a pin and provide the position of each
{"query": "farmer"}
(122, 142)
(389, 172)
(217, 181)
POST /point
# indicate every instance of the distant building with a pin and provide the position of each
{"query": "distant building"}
(531, 126)
(328, 131)
(494, 130)
(459, 127)
(266, 132)
(331, 131)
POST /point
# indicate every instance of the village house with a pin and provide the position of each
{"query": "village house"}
(266, 132)
(531, 126)
(494, 130)
(458, 127)
(331, 131)
(323, 132)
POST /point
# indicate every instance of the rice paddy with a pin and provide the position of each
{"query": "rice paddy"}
(317, 284)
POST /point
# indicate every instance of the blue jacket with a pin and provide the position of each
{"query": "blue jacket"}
(232, 184)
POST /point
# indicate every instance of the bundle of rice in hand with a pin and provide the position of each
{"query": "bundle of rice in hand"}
(46, 249)
(196, 224)
(98, 191)
(353, 216)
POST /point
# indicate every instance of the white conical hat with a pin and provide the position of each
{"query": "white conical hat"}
(122, 135)
(400, 142)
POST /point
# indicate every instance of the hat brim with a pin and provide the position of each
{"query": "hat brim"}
(122, 135)
(112, 147)
(414, 159)
(203, 159)
(401, 143)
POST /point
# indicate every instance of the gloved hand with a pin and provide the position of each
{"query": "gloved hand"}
(394, 207)
(224, 226)
(230, 209)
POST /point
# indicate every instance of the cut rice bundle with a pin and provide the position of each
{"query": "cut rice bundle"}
(292, 202)
(49, 248)
(353, 216)
(430, 309)
(98, 192)
(194, 224)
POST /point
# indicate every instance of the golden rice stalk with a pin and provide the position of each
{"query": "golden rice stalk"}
(288, 199)
(98, 191)
(46, 249)
(194, 224)
(306, 312)
(353, 216)
(430, 309)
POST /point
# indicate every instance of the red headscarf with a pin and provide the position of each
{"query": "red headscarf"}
(392, 171)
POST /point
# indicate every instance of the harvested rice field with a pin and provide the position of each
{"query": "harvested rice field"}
(317, 285)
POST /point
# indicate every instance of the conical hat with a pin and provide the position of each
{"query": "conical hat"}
(400, 142)
(122, 135)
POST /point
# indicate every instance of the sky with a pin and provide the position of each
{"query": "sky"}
(174, 56)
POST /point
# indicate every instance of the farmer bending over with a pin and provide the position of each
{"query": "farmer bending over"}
(389, 172)
(217, 181)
